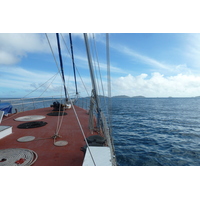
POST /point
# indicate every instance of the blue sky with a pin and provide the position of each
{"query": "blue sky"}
(148, 64)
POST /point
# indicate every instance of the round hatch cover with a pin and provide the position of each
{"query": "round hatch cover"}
(35, 124)
(26, 139)
(30, 118)
(60, 143)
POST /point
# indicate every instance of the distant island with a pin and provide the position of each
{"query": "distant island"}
(138, 97)
(121, 96)
(125, 96)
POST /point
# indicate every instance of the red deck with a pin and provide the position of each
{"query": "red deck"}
(48, 153)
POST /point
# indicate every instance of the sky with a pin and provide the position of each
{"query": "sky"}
(146, 64)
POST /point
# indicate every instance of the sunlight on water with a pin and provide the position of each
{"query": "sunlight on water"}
(157, 131)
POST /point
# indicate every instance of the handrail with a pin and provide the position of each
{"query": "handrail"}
(23, 104)
(10, 99)
(30, 103)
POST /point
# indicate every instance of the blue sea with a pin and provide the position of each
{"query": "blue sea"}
(156, 131)
(151, 131)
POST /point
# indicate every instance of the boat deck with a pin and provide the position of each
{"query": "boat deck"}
(43, 145)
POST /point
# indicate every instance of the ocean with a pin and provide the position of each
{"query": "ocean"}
(150, 131)
(156, 131)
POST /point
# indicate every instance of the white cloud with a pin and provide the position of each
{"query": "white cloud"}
(145, 59)
(19, 79)
(15, 46)
(26, 42)
(103, 66)
(22, 81)
(157, 85)
(141, 58)
(192, 49)
(8, 58)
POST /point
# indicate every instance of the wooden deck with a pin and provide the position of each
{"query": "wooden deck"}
(48, 153)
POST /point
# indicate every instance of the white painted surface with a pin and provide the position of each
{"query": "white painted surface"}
(101, 156)
(5, 130)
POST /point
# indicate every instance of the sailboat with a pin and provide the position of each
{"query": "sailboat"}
(61, 133)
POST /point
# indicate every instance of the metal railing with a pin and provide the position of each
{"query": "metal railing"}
(25, 104)
(83, 103)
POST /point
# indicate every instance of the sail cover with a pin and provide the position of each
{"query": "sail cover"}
(6, 107)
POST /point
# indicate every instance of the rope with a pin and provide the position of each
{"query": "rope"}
(59, 122)
(54, 76)
(109, 99)
(69, 56)
(104, 98)
(55, 60)
(49, 84)
(93, 60)
(82, 132)
(76, 67)
(108, 79)
(65, 43)
(98, 65)
(82, 82)
(53, 54)
(17, 157)
(100, 77)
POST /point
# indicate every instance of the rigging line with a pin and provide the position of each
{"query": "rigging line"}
(41, 85)
(53, 77)
(108, 78)
(53, 53)
(82, 82)
(94, 63)
(90, 62)
(59, 70)
(61, 64)
(109, 97)
(101, 82)
(79, 123)
(60, 124)
(80, 126)
(98, 65)
(60, 117)
(69, 56)
(91, 69)
(65, 43)
(71, 45)
(76, 68)
(92, 79)
(49, 85)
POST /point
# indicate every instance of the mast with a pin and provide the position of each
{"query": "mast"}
(61, 64)
(94, 90)
(70, 37)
